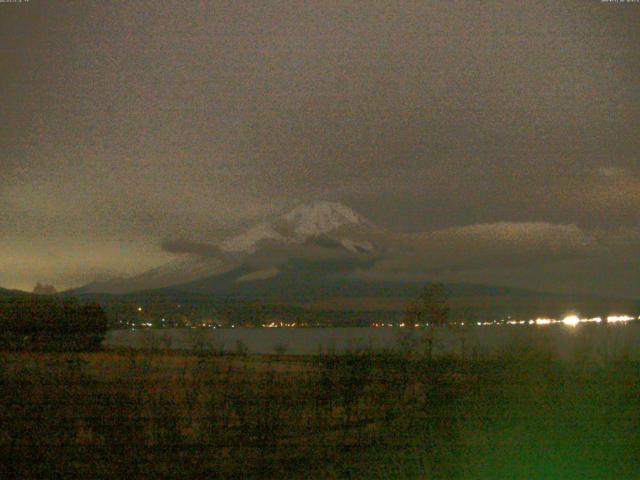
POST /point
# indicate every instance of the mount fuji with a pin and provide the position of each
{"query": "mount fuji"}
(326, 235)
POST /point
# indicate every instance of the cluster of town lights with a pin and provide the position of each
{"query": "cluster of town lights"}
(280, 325)
(570, 320)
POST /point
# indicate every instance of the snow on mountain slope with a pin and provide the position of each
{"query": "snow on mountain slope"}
(259, 275)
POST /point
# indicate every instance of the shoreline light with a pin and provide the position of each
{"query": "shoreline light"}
(571, 320)
(619, 318)
(594, 320)
(544, 321)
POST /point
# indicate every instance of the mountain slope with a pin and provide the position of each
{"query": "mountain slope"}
(184, 269)
(298, 293)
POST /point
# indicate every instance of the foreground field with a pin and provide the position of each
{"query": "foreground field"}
(520, 414)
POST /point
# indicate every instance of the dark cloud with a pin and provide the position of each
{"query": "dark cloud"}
(534, 255)
(316, 253)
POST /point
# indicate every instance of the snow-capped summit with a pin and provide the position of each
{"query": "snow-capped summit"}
(322, 217)
(295, 227)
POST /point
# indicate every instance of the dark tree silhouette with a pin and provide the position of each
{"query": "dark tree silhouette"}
(33, 322)
(430, 309)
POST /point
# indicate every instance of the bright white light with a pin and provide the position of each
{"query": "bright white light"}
(571, 320)
(543, 321)
(618, 318)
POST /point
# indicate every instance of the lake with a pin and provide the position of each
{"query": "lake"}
(567, 341)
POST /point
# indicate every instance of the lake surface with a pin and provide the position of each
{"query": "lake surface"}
(567, 341)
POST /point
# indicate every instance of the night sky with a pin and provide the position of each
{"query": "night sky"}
(510, 126)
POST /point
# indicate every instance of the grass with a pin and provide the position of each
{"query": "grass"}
(522, 414)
